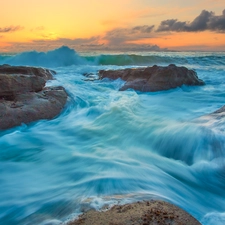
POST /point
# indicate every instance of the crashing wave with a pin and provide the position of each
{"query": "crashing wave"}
(63, 56)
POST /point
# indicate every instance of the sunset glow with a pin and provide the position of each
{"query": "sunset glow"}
(104, 24)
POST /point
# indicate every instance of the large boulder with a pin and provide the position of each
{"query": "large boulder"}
(155, 78)
(24, 97)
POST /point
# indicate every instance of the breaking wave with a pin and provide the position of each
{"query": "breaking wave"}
(65, 56)
(60, 57)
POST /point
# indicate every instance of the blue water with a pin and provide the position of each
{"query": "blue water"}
(109, 147)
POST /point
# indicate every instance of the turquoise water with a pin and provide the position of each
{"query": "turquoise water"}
(109, 147)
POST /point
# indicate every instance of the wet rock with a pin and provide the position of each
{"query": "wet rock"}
(46, 74)
(32, 106)
(10, 85)
(155, 78)
(24, 97)
(220, 111)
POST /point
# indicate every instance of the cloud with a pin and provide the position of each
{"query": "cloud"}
(134, 47)
(79, 41)
(143, 29)
(205, 21)
(122, 35)
(10, 29)
(80, 44)
(95, 46)
(48, 44)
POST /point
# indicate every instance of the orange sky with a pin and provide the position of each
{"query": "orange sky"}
(114, 25)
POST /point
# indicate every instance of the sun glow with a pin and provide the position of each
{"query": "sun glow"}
(89, 23)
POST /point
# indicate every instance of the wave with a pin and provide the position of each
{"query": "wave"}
(159, 59)
(126, 59)
(65, 56)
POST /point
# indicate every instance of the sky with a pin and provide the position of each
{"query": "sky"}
(120, 25)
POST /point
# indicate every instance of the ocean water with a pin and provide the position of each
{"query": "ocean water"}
(110, 147)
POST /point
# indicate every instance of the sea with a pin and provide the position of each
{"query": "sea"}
(112, 147)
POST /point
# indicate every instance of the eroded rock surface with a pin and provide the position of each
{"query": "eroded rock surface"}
(140, 213)
(155, 78)
(24, 97)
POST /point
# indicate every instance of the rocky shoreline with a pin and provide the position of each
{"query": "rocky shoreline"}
(154, 212)
(24, 97)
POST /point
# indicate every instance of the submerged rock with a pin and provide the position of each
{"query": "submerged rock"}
(155, 78)
(220, 111)
(143, 213)
(23, 97)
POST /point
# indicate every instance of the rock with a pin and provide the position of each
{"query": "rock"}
(213, 123)
(10, 85)
(23, 97)
(32, 106)
(25, 70)
(215, 117)
(143, 213)
(155, 78)
(220, 111)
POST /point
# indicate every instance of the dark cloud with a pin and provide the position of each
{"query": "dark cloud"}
(10, 29)
(122, 35)
(205, 21)
(217, 22)
(143, 29)
(172, 25)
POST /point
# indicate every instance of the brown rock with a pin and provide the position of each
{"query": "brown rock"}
(25, 70)
(10, 85)
(24, 99)
(155, 78)
(32, 106)
(142, 213)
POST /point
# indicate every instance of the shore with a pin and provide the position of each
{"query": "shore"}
(139, 213)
